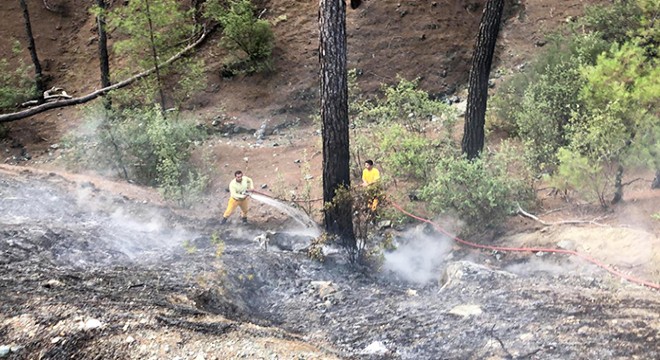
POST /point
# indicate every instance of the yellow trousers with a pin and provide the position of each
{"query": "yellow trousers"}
(374, 204)
(233, 203)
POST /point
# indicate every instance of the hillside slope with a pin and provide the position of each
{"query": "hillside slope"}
(429, 40)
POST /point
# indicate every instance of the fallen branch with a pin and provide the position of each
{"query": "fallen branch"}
(93, 95)
(50, 96)
(564, 222)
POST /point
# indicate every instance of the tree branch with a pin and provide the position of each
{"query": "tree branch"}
(564, 222)
(93, 95)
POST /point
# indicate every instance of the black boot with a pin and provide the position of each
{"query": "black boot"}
(244, 220)
(224, 221)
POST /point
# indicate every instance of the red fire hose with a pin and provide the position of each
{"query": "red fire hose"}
(523, 249)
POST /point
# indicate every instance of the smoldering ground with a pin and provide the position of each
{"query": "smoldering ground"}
(65, 258)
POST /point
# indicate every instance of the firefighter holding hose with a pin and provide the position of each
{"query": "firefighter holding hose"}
(239, 193)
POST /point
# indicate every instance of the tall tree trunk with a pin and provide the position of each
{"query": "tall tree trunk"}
(334, 116)
(155, 56)
(38, 76)
(482, 58)
(103, 49)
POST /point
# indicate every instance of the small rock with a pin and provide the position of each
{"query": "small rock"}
(566, 245)
(411, 292)
(91, 324)
(385, 224)
(55, 146)
(130, 339)
(56, 339)
(297, 161)
(264, 186)
(4, 350)
(375, 348)
(466, 310)
(53, 283)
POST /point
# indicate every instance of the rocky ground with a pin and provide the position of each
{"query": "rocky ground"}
(91, 274)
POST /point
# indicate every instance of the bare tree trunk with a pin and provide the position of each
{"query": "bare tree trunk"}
(334, 116)
(103, 50)
(482, 58)
(618, 185)
(38, 76)
(155, 56)
(656, 182)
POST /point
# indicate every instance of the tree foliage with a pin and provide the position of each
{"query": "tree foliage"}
(16, 85)
(481, 192)
(144, 146)
(588, 107)
(247, 37)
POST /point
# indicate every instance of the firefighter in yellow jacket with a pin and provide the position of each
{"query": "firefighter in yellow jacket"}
(239, 189)
(370, 177)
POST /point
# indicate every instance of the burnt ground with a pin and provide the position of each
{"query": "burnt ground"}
(90, 274)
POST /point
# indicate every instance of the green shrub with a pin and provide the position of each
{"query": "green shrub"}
(392, 130)
(144, 146)
(16, 86)
(480, 192)
(538, 104)
(249, 39)
(406, 105)
(614, 22)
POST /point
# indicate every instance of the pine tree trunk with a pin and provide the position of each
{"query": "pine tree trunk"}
(656, 182)
(38, 76)
(154, 54)
(103, 50)
(334, 116)
(482, 58)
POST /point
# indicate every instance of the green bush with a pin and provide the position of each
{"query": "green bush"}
(392, 130)
(406, 105)
(15, 84)
(480, 192)
(615, 21)
(144, 146)
(539, 103)
(249, 39)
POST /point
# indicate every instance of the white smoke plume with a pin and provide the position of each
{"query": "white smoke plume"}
(420, 257)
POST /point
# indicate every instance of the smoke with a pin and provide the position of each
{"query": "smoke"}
(552, 267)
(420, 256)
(307, 226)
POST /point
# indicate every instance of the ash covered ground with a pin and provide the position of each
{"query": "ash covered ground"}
(93, 275)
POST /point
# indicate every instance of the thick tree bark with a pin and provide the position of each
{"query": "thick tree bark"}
(482, 58)
(38, 76)
(104, 62)
(334, 116)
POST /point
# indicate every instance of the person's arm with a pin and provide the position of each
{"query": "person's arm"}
(364, 177)
(250, 184)
(376, 175)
